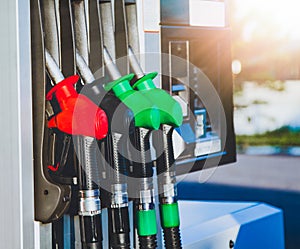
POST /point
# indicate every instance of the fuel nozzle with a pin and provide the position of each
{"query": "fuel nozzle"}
(171, 116)
(79, 115)
(169, 109)
(113, 147)
(145, 114)
(147, 118)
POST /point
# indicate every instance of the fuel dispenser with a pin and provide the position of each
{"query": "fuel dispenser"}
(103, 104)
(196, 68)
(95, 130)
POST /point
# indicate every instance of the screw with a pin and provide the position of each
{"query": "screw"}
(46, 192)
(66, 198)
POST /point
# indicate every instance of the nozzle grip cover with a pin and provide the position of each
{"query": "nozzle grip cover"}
(145, 113)
(169, 109)
(79, 115)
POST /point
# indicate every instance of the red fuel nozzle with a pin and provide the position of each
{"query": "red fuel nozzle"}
(79, 115)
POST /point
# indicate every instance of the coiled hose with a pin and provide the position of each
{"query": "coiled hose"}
(89, 194)
(145, 207)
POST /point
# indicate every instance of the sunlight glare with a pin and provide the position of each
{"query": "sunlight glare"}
(236, 67)
(283, 15)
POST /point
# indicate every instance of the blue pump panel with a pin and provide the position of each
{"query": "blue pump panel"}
(242, 225)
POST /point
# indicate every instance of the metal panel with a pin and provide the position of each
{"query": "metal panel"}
(16, 179)
(239, 225)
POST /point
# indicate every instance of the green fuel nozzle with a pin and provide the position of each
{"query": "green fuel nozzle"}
(170, 117)
(169, 109)
(145, 113)
(147, 118)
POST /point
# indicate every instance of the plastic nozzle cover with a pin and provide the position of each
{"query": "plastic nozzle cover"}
(146, 222)
(169, 215)
(79, 115)
(169, 109)
(145, 113)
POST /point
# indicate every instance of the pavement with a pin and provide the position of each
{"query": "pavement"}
(271, 179)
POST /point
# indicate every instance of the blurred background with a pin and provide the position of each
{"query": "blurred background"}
(266, 72)
(266, 67)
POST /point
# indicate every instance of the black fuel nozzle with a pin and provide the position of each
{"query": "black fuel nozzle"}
(114, 151)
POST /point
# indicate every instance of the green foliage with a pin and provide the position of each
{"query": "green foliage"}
(280, 137)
